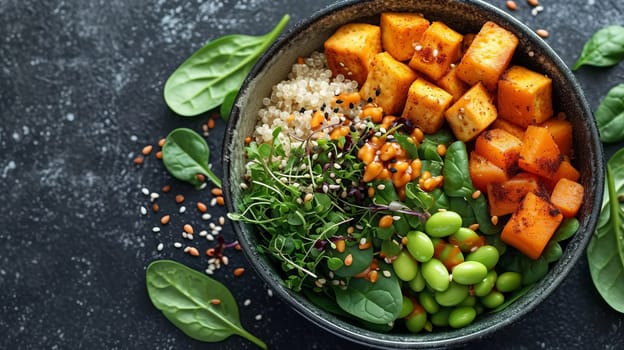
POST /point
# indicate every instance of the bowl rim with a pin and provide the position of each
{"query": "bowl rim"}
(359, 335)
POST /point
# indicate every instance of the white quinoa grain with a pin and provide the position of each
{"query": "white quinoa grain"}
(177, 245)
(143, 211)
(145, 191)
(160, 247)
(182, 209)
(221, 220)
(247, 302)
(155, 229)
(206, 216)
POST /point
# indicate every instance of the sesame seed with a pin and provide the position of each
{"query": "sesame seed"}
(270, 292)
(182, 209)
(213, 202)
(203, 233)
(177, 245)
(258, 317)
(188, 229)
(206, 216)
(160, 247)
(381, 187)
(143, 211)
(247, 302)
(387, 273)
(154, 196)
(145, 191)
(155, 229)
(210, 237)
(221, 220)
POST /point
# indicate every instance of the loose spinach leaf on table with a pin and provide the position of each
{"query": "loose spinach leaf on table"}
(213, 72)
(186, 154)
(610, 115)
(184, 296)
(605, 48)
(605, 252)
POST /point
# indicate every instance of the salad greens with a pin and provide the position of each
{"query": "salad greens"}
(186, 154)
(605, 252)
(605, 48)
(216, 71)
(610, 115)
(200, 306)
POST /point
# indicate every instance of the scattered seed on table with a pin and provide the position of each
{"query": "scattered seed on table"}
(182, 209)
(202, 207)
(147, 150)
(155, 229)
(203, 233)
(220, 200)
(161, 142)
(166, 188)
(206, 216)
(177, 245)
(188, 229)
(225, 260)
(143, 211)
(159, 155)
(165, 219)
(511, 5)
(211, 123)
(154, 196)
(216, 191)
(138, 160)
(179, 198)
(210, 252)
(200, 177)
(258, 317)
(239, 271)
(221, 220)
(270, 292)
(145, 191)
(533, 2)
(155, 207)
(160, 247)
(247, 302)
(191, 251)
(210, 237)
(213, 202)
(476, 194)
(542, 32)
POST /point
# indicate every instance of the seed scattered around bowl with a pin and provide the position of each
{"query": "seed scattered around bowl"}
(511, 5)
(542, 33)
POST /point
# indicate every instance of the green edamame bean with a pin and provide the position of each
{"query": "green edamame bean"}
(405, 266)
(453, 295)
(484, 287)
(435, 274)
(406, 308)
(441, 318)
(419, 245)
(427, 301)
(493, 300)
(466, 239)
(418, 283)
(509, 281)
(443, 223)
(469, 272)
(487, 255)
(416, 321)
(462, 316)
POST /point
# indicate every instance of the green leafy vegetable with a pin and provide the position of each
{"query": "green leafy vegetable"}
(378, 303)
(213, 72)
(186, 154)
(184, 296)
(605, 252)
(610, 115)
(228, 103)
(605, 48)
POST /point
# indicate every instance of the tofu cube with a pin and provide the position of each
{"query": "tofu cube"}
(487, 56)
(472, 113)
(439, 47)
(400, 31)
(425, 105)
(452, 84)
(387, 83)
(350, 50)
(524, 96)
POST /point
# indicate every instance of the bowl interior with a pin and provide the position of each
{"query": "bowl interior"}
(463, 16)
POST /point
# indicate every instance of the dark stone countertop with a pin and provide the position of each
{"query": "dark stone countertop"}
(80, 96)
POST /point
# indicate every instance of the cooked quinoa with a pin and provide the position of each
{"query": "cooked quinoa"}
(308, 88)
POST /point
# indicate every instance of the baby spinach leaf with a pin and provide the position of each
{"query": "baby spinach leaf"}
(605, 252)
(457, 182)
(362, 258)
(377, 303)
(605, 48)
(228, 102)
(184, 296)
(610, 115)
(203, 81)
(186, 154)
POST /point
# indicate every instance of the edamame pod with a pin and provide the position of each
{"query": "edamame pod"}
(443, 223)
(436, 275)
(405, 266)
(419, 245)
(487, 255)
(469, 272)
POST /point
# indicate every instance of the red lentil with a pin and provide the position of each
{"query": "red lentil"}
(542, 33)
(155, 208)
(179, 198)
(138, 160)
(216, 191)
(202, 207)
(220, 200)
(161, 142)
(165, 219)
(147, 150)
(192, 251)
(239, 271)
(511, 5)
(188, 229)
(159, 155)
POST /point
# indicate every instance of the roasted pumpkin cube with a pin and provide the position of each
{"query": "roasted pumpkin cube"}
(452, 84)
(425, 105)
(539, 154)
(484, 172)
(561, 131)
(510, 127)
(439, 47)
(400, 31)
(471, 114)
(487, 56)
(505, 197)
(500, 148)
(350, 50)
(532, 225)
(524, 96)
(567, 196)
(387, 83)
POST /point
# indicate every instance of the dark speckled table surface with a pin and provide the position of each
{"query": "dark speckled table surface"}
(81, 95)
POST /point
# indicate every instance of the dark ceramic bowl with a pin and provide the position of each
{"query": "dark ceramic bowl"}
(464, 16)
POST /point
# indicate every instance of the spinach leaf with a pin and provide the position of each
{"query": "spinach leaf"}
(610, 115)
(228, 103)
(605, 252)
(377, 303)
(184, 296)
(202, 82)
(605, 48)
(186, 154)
